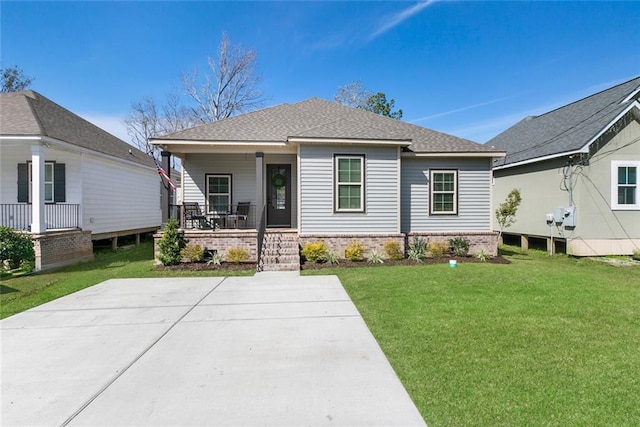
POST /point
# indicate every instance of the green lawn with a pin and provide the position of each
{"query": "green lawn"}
(542, 341)
(21, 293)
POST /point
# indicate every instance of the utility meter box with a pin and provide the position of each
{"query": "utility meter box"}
(570, 217)
(558, 216)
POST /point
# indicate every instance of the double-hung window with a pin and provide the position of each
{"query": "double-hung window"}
(444, 192)
(218, 193)
(48, 182)
(349, 183)
(624, 185)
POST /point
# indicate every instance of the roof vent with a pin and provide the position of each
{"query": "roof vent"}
(526, 119)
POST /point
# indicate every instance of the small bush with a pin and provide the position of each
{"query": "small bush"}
(216, 258)
(636, 255)
(392, 249)
(375, 258)
(171, 243)
(194, 253)
(417, 249)
(438, 248)
(15, 247)
(314, 252)
(237, 255)
(331, 258)
(459, 246)
(27, 266)
(354, 251)
(483, 256)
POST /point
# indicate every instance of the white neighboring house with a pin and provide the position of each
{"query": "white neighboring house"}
(64, 179)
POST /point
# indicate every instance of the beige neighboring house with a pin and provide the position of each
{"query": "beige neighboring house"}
(68, 182)
(577, 169)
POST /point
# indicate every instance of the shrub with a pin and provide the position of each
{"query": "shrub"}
(15, 247)
(194, 253)
(216, 258)
(354, 251)
(483, 256)
(459, 246)
(636, 255)
(417, 249)
(315, 252)
(171, 243)
(392, 249)
(332, 258)
(438, 248)
(237, 255)
(375, 258)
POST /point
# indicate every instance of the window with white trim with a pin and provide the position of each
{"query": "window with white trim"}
(624, 185)
(218, 193)
(349, 183)
(444, 192)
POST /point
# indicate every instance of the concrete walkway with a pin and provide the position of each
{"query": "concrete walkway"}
(274, 349)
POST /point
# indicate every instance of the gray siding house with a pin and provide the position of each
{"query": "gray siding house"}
(577, 170)
(68, 182)
(319, 170)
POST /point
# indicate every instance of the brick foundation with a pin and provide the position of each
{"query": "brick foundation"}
(59, 249)
(338, 242)
(221, 241)
(487, 241)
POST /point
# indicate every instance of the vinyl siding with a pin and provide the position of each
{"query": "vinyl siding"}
(317, 191)
(474, 195)
(242, 168)
(119, 196)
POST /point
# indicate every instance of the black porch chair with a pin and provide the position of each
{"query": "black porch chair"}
(194, 215)
(241, 214)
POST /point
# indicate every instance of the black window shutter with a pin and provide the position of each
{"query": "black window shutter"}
(59, 183)
(23, 183)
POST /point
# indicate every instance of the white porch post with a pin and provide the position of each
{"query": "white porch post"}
(37, 189)
(259, 185)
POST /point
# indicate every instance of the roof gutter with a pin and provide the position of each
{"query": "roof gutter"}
(494, 154)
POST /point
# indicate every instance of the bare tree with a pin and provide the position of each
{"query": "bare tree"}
(353, 94)
(231, 87)
(12, 79)
(356, 95)
(148, 120)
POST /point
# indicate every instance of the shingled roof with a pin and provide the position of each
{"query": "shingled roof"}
(566, 129)
(321, 119)
(27, 113)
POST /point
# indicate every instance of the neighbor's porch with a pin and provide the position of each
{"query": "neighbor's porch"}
(58, 216)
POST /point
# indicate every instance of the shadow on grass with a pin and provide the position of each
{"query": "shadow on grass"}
(7, 290)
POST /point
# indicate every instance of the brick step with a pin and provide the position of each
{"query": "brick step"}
(281, 251)
(280, 259)
(281, 267)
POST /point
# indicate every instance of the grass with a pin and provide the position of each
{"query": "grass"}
(22, 293)
(542, 341)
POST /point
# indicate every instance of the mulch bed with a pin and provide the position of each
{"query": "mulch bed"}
(227, 266)
(346, 263)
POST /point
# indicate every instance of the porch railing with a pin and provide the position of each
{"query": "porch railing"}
(192, 216)
(58, 216)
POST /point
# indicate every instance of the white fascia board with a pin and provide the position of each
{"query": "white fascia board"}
(631, 95)
(180, 142)
(228, 149)
(76, 148)
(22, 137)
(332, 141)
(583, 149)
(495, 154)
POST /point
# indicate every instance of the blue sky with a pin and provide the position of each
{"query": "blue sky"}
(471, 69)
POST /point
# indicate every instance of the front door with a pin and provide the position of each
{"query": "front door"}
(278, 195)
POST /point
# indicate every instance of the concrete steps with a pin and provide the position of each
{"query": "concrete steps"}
(280, 252)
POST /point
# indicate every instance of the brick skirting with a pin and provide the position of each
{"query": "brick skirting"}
(338, 242)
(59, 249)
(478, 240)
(221, 241)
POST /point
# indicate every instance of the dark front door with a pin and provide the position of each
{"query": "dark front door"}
(278, 195)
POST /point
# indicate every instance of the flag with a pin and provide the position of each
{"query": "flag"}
(164, 175)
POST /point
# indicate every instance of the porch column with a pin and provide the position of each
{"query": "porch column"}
(165, 198)
(37, 190)
(259, 185)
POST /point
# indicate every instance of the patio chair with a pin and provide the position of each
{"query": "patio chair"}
(194, 215)
(241, 214)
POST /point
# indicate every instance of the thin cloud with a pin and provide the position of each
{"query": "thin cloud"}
(400, 17)
(113, 124)
(457, 110)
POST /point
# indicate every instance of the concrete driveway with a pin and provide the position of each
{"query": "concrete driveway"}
(274, 349)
